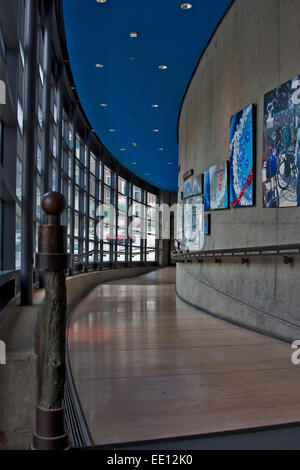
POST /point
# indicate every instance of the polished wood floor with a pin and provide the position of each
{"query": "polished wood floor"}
(148, 366)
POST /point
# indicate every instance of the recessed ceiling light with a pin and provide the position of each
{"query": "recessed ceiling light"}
(112, 130)
(122, 150)
(99, 66)
(73, 87)
(101, 1)
(104, 105)
(133, 163)
(161, 149)
(154, 105)
(162, 67)
(186, 6)
(133, 34)
(132, 58)
(170, 163)
(155, 130)
(135, 144)
(147, 174)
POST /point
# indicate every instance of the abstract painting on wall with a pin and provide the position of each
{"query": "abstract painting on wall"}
(207, 190)
(241, 158)
(179, 222)
(198, 185)
(193, 224)
(281, 146)
(219, 186)
(188, 188)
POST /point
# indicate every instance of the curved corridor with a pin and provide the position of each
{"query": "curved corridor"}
(147, 366)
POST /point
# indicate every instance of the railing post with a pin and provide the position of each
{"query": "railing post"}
(50, 332)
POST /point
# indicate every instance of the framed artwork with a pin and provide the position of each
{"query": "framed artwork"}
(179, 227)
(187, 174)
(281, 146)
(241, 158)
(188, 188)
(207, 224)
(198, 185)
(219, 186)
(193, 224)
(206, 188)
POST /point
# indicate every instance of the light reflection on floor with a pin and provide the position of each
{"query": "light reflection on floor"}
(148, 366)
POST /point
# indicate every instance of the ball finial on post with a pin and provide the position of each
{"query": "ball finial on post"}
(53, 204)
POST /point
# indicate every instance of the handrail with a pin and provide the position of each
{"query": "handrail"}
(77, 257)
(285, 251)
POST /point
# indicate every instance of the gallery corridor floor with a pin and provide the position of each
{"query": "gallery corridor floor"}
(148, 366)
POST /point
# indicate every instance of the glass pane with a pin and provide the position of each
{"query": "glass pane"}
(92, 186)
(107, 176)
(122, 221)
(38, 202)
(122, 203)
(106, 196)
(92, 207)
(122, 236)
(77, 147)
(76, 225)
(121, 254)
(20, 117)
(137, 194)
(19, 178)
(18, 237)
(136, 239)
(39, 158)
(122, 186)
(151, 199)
(91, 229)
(77, 174)
(93, 164)
(77, 199)
(105, 252)
(151, 241)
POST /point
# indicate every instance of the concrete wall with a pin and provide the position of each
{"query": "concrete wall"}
(255, 49)
(18, 376)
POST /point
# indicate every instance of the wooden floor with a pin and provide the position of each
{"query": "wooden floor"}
(147, 366)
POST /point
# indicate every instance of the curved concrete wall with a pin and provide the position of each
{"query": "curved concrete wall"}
(255, 49)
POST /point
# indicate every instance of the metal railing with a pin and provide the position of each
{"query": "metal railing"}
(287, 252)
(78, 257)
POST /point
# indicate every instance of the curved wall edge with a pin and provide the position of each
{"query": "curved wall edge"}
(224, 307)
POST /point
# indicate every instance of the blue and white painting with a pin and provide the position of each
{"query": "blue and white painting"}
(193, 224)
(188, 188)
(198, 185)
(241, 158)
(219, 186)
(206, 191)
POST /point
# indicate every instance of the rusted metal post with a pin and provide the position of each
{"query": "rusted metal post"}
(50, 332)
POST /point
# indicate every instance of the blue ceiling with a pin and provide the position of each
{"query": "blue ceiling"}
(98, 33)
